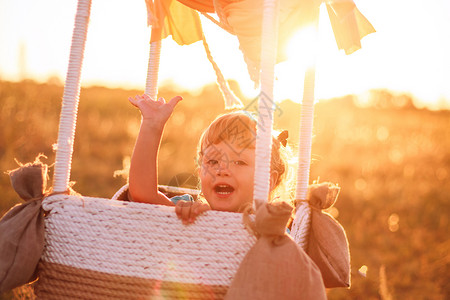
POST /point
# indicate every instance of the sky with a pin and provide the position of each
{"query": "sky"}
(408, 53)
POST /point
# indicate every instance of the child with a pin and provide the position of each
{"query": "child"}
(226, 157)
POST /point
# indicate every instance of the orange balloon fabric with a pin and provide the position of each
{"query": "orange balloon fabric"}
(180, 19)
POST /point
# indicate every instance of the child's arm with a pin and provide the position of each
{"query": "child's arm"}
(143, 178)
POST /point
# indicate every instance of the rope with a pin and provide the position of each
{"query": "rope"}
(67, 124)
(231, 100)
(220, 23)
(265, 103)
(60, 281)
(301, 224)
(306, 128)
(151, 85)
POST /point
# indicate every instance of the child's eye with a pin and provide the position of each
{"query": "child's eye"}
(212, 162)
(239, 162)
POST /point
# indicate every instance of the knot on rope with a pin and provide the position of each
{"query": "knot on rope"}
(30, 179)
(271, 219)
(322, 195)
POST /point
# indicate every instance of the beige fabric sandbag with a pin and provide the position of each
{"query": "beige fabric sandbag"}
(327, 241)
(276, 267)
(22, 227)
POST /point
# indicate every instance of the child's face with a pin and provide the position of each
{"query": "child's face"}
(226, 175)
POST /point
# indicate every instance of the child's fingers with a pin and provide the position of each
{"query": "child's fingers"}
(199, 208)
(179, 208)
(188, 211)
(174, 101)
(132, 101)
(183, 211)
(147, 97)
(135, 100)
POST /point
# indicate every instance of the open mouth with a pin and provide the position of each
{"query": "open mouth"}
(223, 189)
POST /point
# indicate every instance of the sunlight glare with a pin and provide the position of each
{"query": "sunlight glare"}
(302, 48)
(363, 270)
(301, 55)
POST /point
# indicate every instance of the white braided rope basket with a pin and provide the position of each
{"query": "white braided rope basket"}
(137, 250)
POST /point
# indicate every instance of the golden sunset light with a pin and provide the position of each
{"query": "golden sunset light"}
(310, 162)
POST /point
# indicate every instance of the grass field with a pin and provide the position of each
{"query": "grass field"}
(391, 160)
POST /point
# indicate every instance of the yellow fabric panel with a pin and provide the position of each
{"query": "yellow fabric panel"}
(349, 25)
(174, 18)
(206, 6)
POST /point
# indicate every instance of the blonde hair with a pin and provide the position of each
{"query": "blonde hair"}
(240, 128)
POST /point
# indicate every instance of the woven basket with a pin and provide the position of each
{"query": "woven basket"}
(108, 249)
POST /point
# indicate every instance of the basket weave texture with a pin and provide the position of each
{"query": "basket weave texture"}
(126, 249)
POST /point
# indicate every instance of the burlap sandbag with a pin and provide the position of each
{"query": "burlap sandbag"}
(327, 243)
(276, 267)
(22, 227)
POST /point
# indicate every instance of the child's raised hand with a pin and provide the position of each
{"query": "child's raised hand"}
(156, 111)
(188, 211)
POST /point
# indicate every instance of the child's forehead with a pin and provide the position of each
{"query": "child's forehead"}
(235, 137)
(228, 148)
(235, 127)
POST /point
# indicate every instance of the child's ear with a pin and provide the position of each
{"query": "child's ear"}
(273, 180)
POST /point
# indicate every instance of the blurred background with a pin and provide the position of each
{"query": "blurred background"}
(381, 131)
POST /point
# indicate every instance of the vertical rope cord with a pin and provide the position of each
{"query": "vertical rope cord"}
(151, 84)
(231, 100)
(306, 127)
(266, 104)
(302, 221)
(70, 102)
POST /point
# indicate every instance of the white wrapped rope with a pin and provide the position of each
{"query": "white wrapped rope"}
(151, 85)
(301, 224)
(143, 241)
(266, 103)
(306, 129)
(70, 102)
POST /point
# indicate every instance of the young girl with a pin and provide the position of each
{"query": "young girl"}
(226, 157)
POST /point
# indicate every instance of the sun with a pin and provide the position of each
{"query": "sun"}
(301, 54)
(314, 48)
(302, 48)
